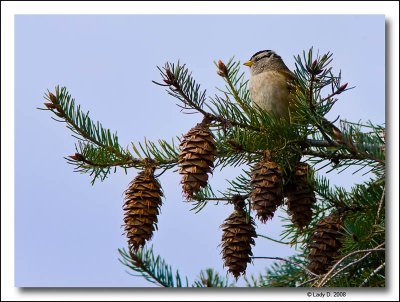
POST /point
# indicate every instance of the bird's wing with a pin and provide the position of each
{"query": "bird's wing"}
(290, 79)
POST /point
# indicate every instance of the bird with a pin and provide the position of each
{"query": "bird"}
(270, 86)
(270, 83)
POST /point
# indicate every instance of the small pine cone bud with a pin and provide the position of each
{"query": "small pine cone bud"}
(169, 74)
(314, 65)
(77, 157)
(142, 205)
(50, 105)
(342, 88)
(300, 196)
(237, 237)
(53, 98)
(266, 189)
(222, 70)
(325, 242)
(196, 158)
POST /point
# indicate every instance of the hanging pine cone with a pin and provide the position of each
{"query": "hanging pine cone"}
(266, 188)
(142, 204)
(325, 242)
(300, 196)
(237, 238)
(196, 158)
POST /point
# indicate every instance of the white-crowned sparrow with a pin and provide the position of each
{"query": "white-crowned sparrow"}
(270, 83)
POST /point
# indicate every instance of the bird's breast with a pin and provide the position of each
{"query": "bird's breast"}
(270, 91)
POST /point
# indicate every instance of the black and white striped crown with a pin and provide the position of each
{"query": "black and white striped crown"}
(264, 54)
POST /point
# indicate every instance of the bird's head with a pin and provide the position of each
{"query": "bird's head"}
(263, 60)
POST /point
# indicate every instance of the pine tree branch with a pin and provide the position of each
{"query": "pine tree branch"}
(91, 164)
(227, 73)
(63, 106)
(380, 206)
(313, 143)
(179, 83)
(336, 92)
(272, 239)
(372, 274)
(222, 198)
(288, 261)
(210, 278)
(335, 197)
(203, 199)
(312, 108)
(153, 269)
(308, 281)
(318, 143)
(336, 156)
(332, 273)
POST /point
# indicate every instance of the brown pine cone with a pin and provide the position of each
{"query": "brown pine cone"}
(196, 158)
(325, 242)
(266, 193)
(237, 238)
(142, 205)
(300, 196)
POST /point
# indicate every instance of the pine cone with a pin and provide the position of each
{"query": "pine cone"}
(300, 196)
(196, 158)
(142, 204)
(325, 242)
(237, 237)
(266, 184)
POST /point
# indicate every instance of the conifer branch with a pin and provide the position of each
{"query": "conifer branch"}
(153, 269)
(272, 239)
(333, 155)
(229, 73)
(183, 87)
(380, 206)
(63, 106)
(308, 281)
(332, 272)
(222, 198)
(372, 274)
(210, 278)
(289, 261)
(98, 150)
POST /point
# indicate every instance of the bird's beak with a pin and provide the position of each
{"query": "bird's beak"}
(248, 63)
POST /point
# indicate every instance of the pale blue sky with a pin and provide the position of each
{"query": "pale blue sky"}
(68, 232)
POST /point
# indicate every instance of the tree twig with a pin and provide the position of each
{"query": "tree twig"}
(372, 274)
(330, 274)
(229, 199)
(59, 111)
(308, 281)
(380, 205)
(289, 261)
(173, 82)
(272, 239)
(334, 156)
